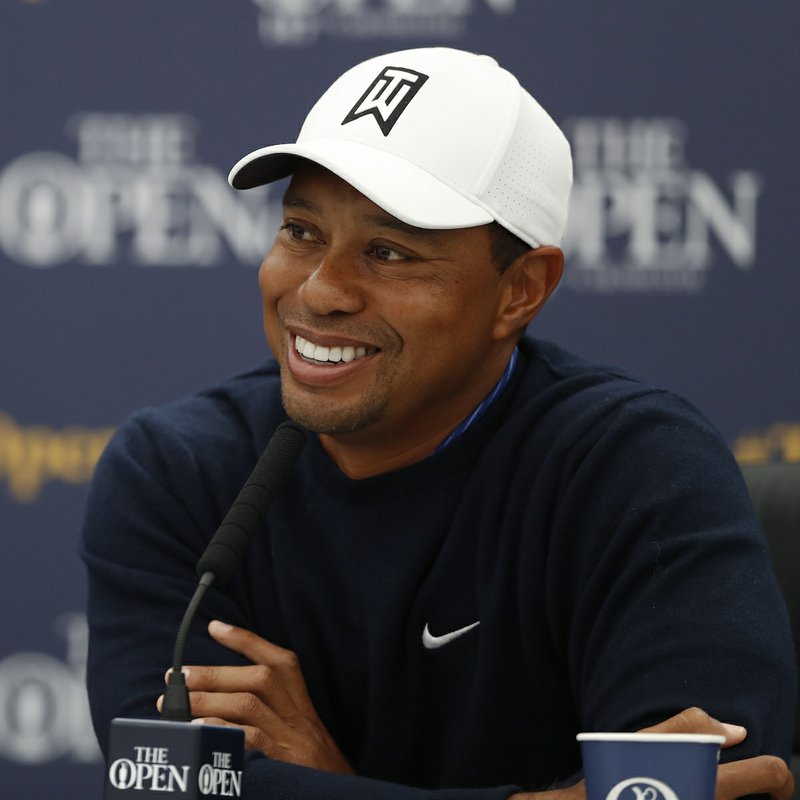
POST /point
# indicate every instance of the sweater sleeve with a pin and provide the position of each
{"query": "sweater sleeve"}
(279, 781)
(665, 596)
(151, 510)
(147, 521)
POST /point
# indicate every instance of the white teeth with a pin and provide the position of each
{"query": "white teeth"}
(334, 355)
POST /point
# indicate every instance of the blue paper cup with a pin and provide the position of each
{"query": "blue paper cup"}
(650, 766)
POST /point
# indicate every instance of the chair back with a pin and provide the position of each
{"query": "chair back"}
(775, 489)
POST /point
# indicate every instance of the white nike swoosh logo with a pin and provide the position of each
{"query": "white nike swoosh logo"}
(431, 642)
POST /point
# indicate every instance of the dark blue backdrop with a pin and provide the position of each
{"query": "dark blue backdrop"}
(127, 268)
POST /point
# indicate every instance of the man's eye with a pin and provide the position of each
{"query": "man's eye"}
(384, 253)
(298, 232)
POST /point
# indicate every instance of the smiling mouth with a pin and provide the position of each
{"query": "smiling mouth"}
(320, 354)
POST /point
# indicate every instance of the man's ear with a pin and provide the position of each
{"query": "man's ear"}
(527, 284)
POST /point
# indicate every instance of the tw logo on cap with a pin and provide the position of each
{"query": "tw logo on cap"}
(387, 97)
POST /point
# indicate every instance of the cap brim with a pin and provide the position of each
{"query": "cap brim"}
(399, 187)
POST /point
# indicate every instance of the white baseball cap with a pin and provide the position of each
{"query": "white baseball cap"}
(438, 138)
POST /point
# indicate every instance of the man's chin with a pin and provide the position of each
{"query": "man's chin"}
(333, 420)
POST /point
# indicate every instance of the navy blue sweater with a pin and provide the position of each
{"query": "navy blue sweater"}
(597, 527)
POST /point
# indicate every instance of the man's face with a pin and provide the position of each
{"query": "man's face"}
(384, 333)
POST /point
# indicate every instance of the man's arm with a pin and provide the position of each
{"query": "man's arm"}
(142, 543)
(270, 702)
(759, 775)
(664, 596)
(142, 539)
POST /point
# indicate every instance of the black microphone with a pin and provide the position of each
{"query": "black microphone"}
(169, 756)
(249, 510)
(228, 545)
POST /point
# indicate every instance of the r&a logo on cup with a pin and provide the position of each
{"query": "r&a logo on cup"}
(641, 789)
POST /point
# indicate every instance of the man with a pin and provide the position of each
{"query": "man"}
(488, 544)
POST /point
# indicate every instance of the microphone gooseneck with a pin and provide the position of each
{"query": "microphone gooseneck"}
(228, 545)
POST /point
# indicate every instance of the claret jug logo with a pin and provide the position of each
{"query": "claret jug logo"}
(387, 97)
(303, 22)
(149, 770)
(641, 219)
(44, 711)
(218, 778)
(641, 789)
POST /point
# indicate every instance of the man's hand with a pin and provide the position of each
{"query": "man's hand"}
(759, 775)
(269, 701)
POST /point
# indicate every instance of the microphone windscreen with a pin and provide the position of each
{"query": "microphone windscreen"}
(249, 511)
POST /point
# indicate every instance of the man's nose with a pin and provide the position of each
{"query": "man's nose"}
(333, 286)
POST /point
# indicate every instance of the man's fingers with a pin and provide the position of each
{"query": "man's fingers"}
(250, 645)
(759, 775)
(254, 739)
(241, 708)
(259, 680)
(268, 700)
(284, 662)
(695, 720)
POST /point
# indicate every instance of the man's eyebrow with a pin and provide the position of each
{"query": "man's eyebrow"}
(291, 200)
(295, 201)
(392, 223)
